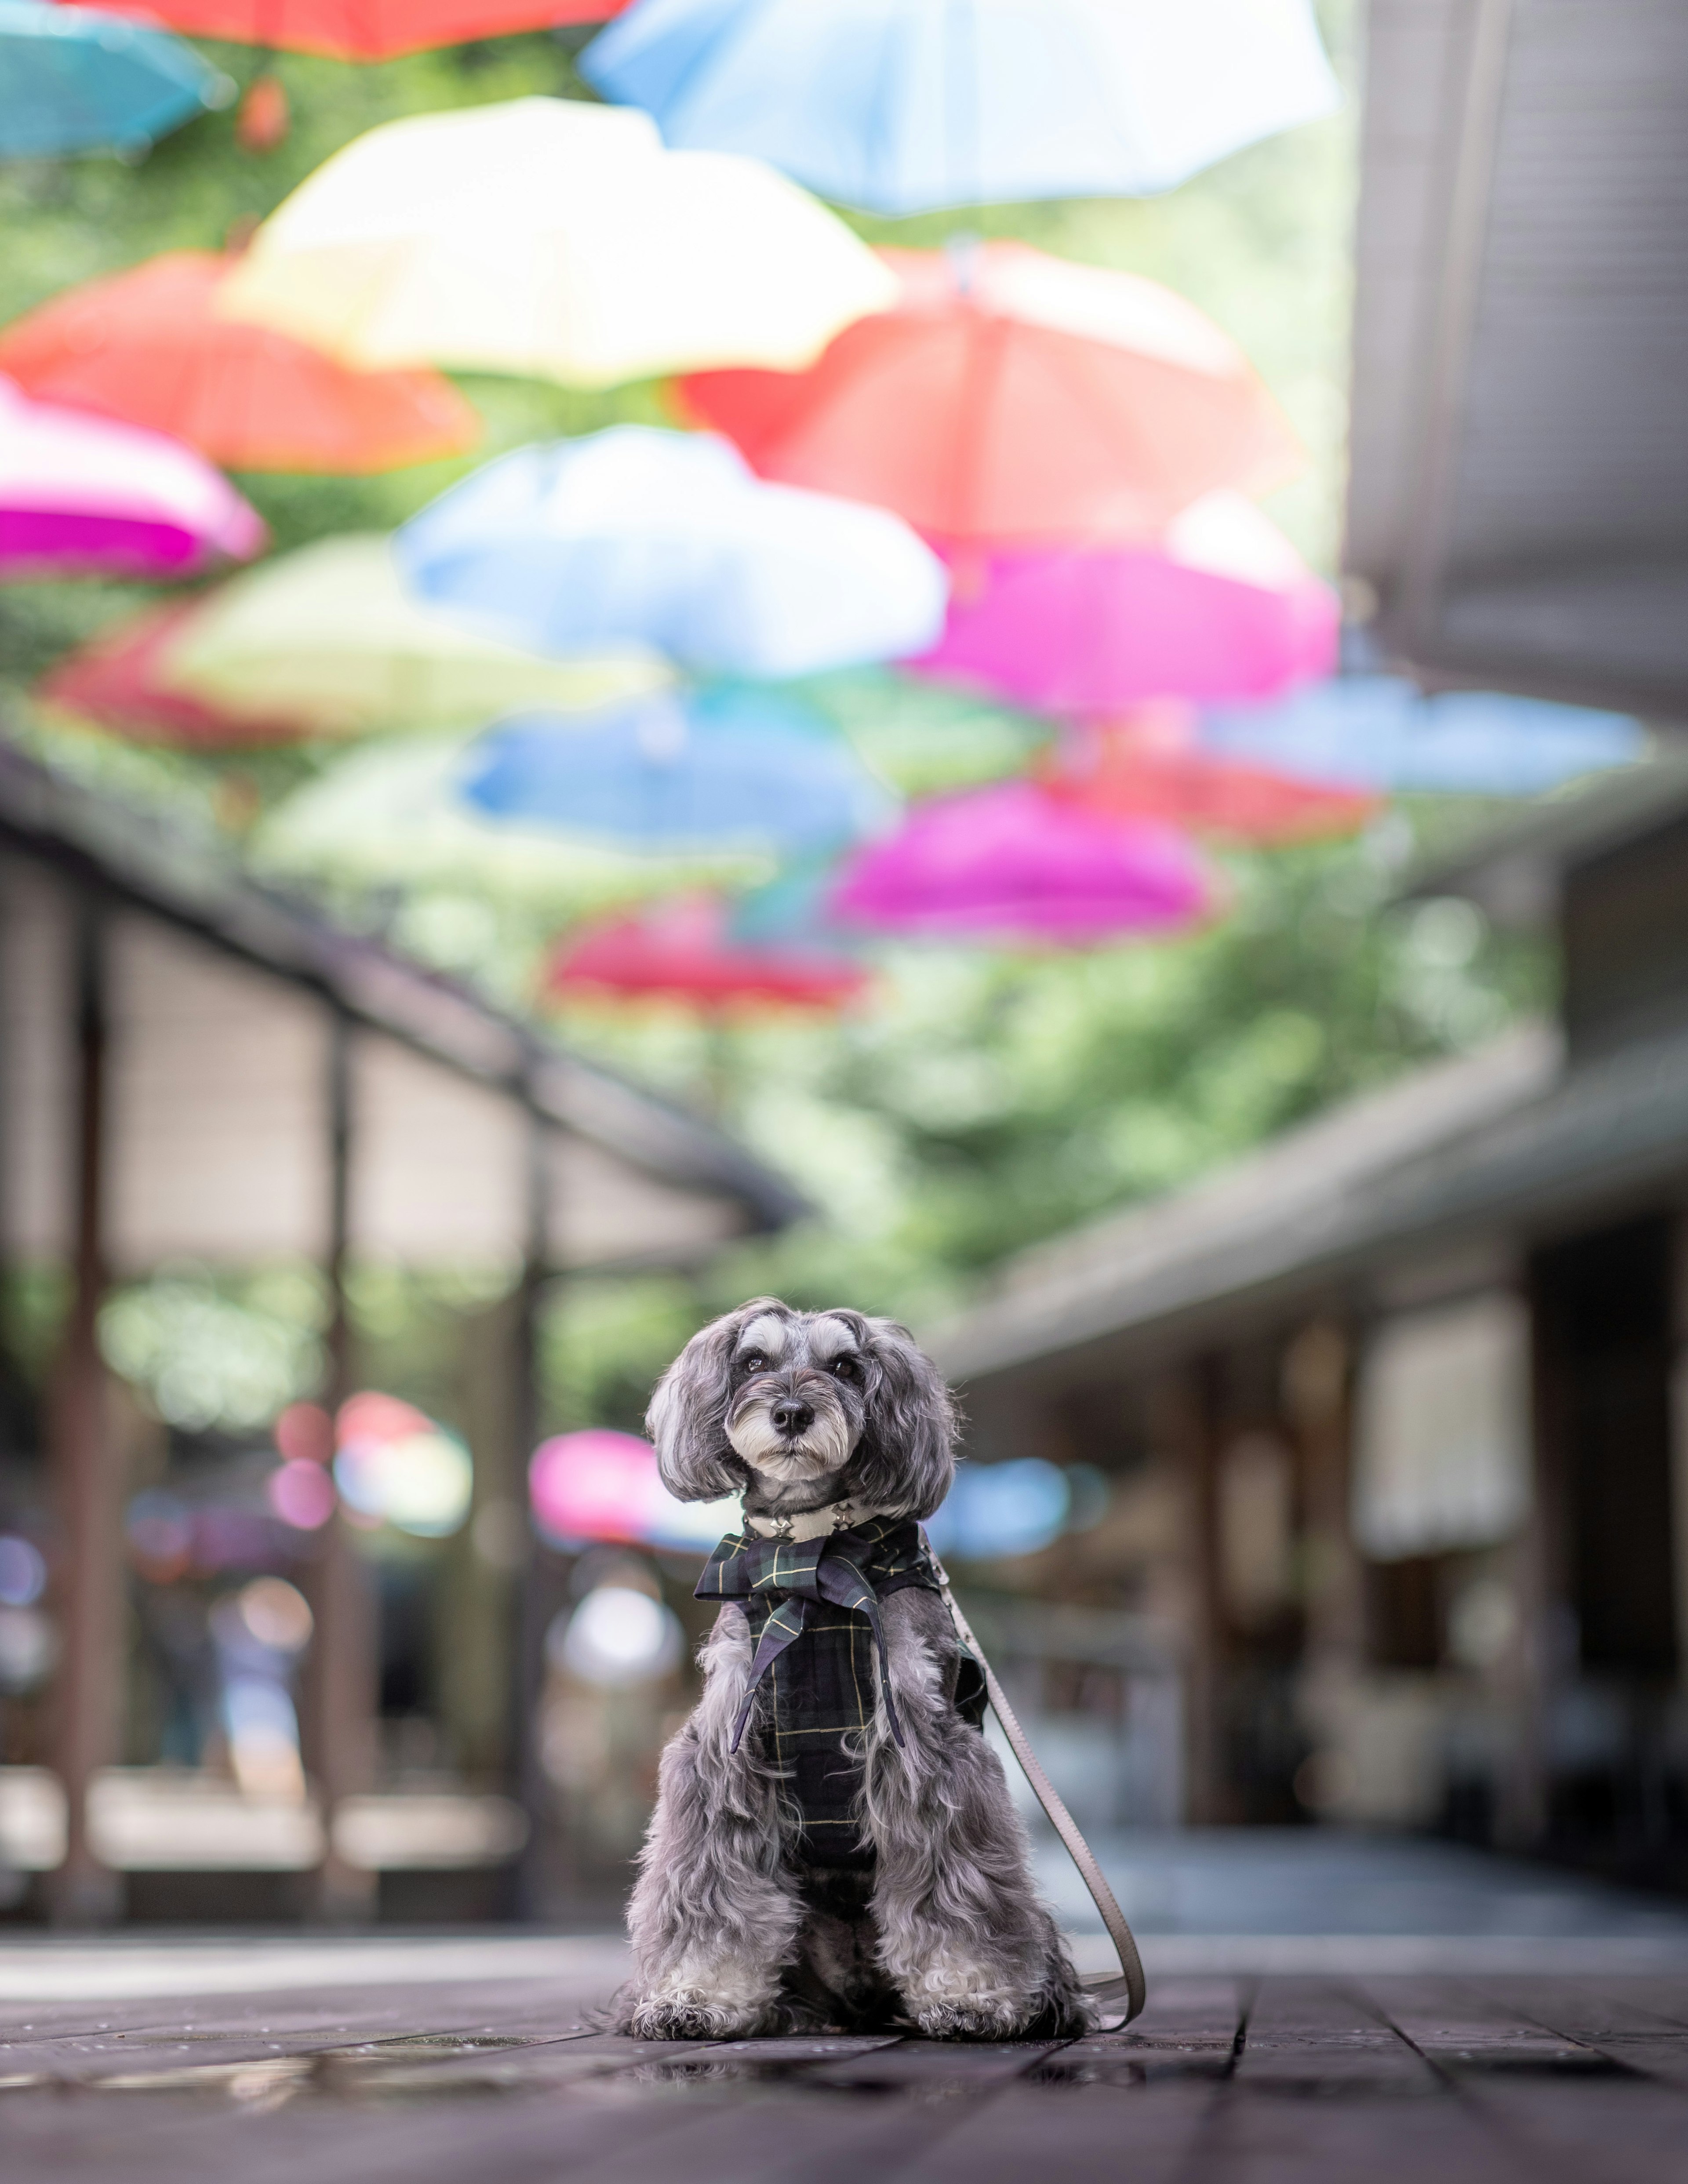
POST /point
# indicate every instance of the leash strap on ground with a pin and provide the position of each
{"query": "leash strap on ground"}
(1129, 1987)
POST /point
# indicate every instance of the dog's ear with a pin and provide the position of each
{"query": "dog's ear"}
(905, 1458)
(686, 1419)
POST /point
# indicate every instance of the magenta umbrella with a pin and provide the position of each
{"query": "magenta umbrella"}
(1222, 608)
(85, 495)
(1011, 865)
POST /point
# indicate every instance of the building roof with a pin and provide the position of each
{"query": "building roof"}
(1519, 439)
(224, 992)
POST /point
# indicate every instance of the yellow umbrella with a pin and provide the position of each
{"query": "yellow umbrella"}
(557, 239)
(392, 813)
(329, 636)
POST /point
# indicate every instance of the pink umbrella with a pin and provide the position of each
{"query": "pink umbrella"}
(1012, 865)
(85, 495)
(684, 950)
(1221, 607)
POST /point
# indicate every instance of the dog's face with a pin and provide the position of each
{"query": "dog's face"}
(781, 1401)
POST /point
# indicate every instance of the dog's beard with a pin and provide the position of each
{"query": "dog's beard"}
(824, 1447)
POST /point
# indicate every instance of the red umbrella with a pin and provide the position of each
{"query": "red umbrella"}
(118, 681)
(360, 29)
(1145, 768)
(683, 950)
(1012, 396)
(147, 346)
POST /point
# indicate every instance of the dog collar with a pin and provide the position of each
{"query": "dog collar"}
(811, 1524)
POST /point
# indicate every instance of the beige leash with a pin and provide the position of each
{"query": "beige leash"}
(1129, 1987)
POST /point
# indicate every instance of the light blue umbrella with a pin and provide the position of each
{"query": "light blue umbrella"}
(74, 79)
(726, 768)
(639, 535)
(1378, 732)
(907, 106)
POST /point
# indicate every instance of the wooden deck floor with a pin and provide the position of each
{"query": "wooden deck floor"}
(1518, 2080)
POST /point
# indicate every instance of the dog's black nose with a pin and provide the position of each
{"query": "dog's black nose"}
(790, 1416)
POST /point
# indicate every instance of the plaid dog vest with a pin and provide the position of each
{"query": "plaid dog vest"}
(813, 1609)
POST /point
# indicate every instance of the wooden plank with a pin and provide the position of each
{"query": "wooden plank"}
(1314, 2035)
(1338, 2133)
(1084, 2134)
(1631, 2030)
(934, 2065)
(1460, 2028)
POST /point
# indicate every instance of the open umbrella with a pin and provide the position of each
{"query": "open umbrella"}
(1014, 866)
(1221, 607)
(329, 636)
(921, 736)
(83, 495)
(1148, 767)
(81, 80)
(116, 680)
(362, 30)
(551, 238)
(1011, 396)
(147, 345)
(683, 950)
(1378, 732)
(635, 535)
(728, 767)
(906, 106)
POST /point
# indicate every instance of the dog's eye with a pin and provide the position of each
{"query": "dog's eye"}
(846, 1367)
(755, 1362)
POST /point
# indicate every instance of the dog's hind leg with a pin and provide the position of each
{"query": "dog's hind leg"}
(962, 1933)
(715, 1914)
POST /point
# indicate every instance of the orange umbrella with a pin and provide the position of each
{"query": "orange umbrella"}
(147, 346)
(360, 29)
(1013, 396)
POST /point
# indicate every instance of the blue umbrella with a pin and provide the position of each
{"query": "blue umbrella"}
(1378, 732)
(667, 539)
(906, 106)
(73, 80)
(720, 769)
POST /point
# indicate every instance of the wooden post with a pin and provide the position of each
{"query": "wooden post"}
(1182, 1410)
(85, 1463)
(342, 1684)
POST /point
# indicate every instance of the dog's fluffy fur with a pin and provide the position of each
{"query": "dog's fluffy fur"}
(730, 1935)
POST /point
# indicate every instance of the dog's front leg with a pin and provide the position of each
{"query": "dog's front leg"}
(963, 1936)
(714, 1917)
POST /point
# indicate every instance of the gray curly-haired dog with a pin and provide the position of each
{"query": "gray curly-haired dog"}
(833, 1843)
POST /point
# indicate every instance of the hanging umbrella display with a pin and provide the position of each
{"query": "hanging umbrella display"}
(921, 736)
(1221, 607)
(907, 106)
(1010, 865)
(553, 238)
(362, 30)
(1378, 732)
(1009, 395)
(149, 346)
(83, 495)
(683, 950)
(1148, 768)
(330, 636)
(82, 80)
(116, 680)
(635, 535)
(721, 768)
(392, 815)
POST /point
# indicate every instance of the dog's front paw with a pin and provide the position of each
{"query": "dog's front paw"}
(973, 2020)
(686, 2013)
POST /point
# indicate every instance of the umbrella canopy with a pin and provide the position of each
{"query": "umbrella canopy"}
(683, 950)
(391, 816)
(1147, 768)
(1222, 607)
(554, 238)
(921, 737)
(329, 636)
(1013, 396)
(80, 494)
(907, 106)
(1013, 865)
(635, 535)
(722, 768)
(362, 30)
(149, 346)
(1378, 732)
(81, 79)
(116, 680)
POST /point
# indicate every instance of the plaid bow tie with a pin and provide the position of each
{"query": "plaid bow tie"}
(800, 1573)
